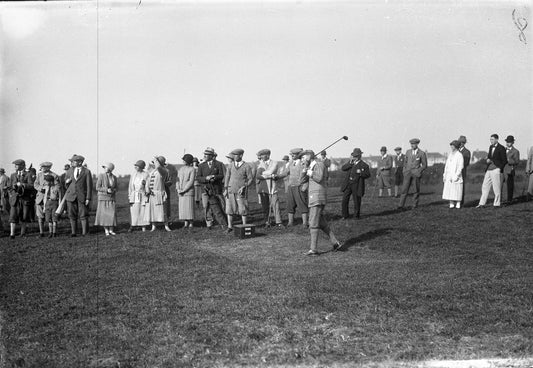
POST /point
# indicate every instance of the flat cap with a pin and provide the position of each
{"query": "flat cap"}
(77, 158)
(383, 149)
(462, 139)
(307, 152)
(285, 158)
(398, 149)
(2, 171)
(264, 151)
(296, 151)
(414, 141)
(237, 151)
(209, 151)
(230, 156)
(46, 164)
(19, 162)
(357, 152)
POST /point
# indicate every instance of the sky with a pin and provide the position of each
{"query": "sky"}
(123, 81)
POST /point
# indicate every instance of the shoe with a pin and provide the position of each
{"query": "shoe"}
(12, 236)
(72, 235)
(41, 235)
(312, 253)
(280, 226)
(337, 246)
(167, 228)
(112, 233)
(191, 226)
(229, 230)
(106, 234)
(480, 206)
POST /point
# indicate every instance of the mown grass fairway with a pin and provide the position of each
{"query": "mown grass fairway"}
(426, 284)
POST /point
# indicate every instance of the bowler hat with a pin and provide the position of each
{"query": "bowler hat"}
(414, 141)
(462, 139)
(357, 152)
(109, 166)
(383, 149)
(237, 151)
(140, 163)
(509, 139)
(296, 151)
(78, 158)
(398, 149)
(46, 164)
(285, 158)
(19, 162)
(209, 151)
(188, 158)
(264, 151)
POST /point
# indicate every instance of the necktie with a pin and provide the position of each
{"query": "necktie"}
(77, 173)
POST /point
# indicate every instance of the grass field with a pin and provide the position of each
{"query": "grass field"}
(430, 283)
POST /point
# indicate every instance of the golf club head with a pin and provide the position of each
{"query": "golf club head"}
(345, 137)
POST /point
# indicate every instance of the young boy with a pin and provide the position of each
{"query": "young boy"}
(52, 197)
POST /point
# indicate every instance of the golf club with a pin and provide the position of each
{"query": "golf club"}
(338, 140)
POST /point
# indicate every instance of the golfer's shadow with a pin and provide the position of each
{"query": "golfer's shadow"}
(366, 237)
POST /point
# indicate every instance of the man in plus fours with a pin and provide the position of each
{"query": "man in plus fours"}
(316, 174)
(415, 164)
(267, 179)
(357, 171)
(210, 175)
(79, 182)
(40, 186)
(496, 161)
(20, 197)
(238, 179)
(297, 188)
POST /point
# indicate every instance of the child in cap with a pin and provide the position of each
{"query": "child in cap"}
(52, 197)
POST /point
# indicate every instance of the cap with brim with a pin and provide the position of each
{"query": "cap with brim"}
(398, 149)
(509, 139)
(264, 151)
(383, 149)
(462, 139)
(230, 156)
(209, 151)
(19, 162)
(307, 152)
(237, 151)
(46, 164)
(414, 141)
(77, 158)
(140, 163)
(109, 166)
(296, 151)
(357, 152)
(2, 170)
(285, 158)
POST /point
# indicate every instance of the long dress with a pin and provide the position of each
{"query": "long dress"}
(137, 198)
(185, 183)
(105, 212)
(155, 208)
(453, 178)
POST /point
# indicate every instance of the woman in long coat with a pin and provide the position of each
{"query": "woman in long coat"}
(137, 196)
(156, 192)
(452, 177)
(106, 186)
(185, 189)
